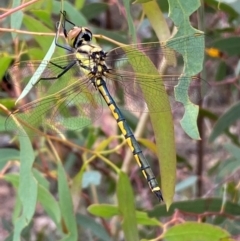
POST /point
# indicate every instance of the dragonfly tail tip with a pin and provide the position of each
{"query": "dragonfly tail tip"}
(159, 196)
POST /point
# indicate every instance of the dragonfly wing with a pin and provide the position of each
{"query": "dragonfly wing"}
(47, 71)
(138, 69)
(74, 107)
(157, 51)
(136, 54)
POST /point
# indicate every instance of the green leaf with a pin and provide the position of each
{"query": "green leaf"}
(131, 26)
(66, 206)
(9, 154)
(144, 219)
(226, 168)
(13, 179)
(149, 144)
(193, 231)
(5, 61)
(79, 4)
(109, 211)
(2, 121)
(103, 144)
(36, 53)
(213, 117)
(9, 103)
(164, 133)
(127, 208)
(189, 42)
(27, 191)
(34, 79)
(166, 153)
(223, 6)
(142, 1)
(103, 210)
(76, 16)
(224, 122)
(186, 183)
(41, 179)
(44, 16)
(16, 17)
(233, 150)
(88, 223)
(46, 199)
(76, 187)
(197, 206)
(157, 20)
(221, 70)
(230, 45)
(35, 25)
(49, 204)
(93, 10)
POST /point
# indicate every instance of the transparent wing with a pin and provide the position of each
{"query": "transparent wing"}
(21, 73)
(156, 51)
(70, 102)
(129, 94)
(131, 72)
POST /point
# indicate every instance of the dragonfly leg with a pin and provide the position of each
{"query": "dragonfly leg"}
(64, 24)
(65, 19)
(59, 66)
(68, 48)
(65, 69)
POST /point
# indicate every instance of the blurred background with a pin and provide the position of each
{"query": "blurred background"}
(206, 168)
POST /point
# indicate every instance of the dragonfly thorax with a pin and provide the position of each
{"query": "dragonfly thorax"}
(99, 68)
(92, 58)
(93, 51)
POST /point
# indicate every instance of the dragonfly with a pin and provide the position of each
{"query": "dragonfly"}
(72, 88)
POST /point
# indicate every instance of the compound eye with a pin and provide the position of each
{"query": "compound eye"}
(87, 35)
(83, 37)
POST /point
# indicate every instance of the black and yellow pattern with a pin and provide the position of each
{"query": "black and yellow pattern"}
(71, 88)
(131, 140)
(71, 85)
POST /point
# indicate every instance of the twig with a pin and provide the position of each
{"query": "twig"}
(26, 32)
(13, 10)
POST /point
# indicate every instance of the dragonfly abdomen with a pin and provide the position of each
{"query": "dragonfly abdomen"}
(131, 140)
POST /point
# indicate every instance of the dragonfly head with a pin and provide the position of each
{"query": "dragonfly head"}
(78, 36)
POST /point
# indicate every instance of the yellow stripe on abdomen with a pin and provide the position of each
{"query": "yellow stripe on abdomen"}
(131, 141)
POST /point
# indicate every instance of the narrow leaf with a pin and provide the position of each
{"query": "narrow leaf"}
(162, 121)
(131, 26)
(144, 219)
(127, 208)
(88, 223)
(49, 204)
(5, 61)
(193, 231)
(27, 191)
(197, 206)
(103, 210)
(233, 150)
(225, 121)
(16, 17)
(38, 72)
(66, 206)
